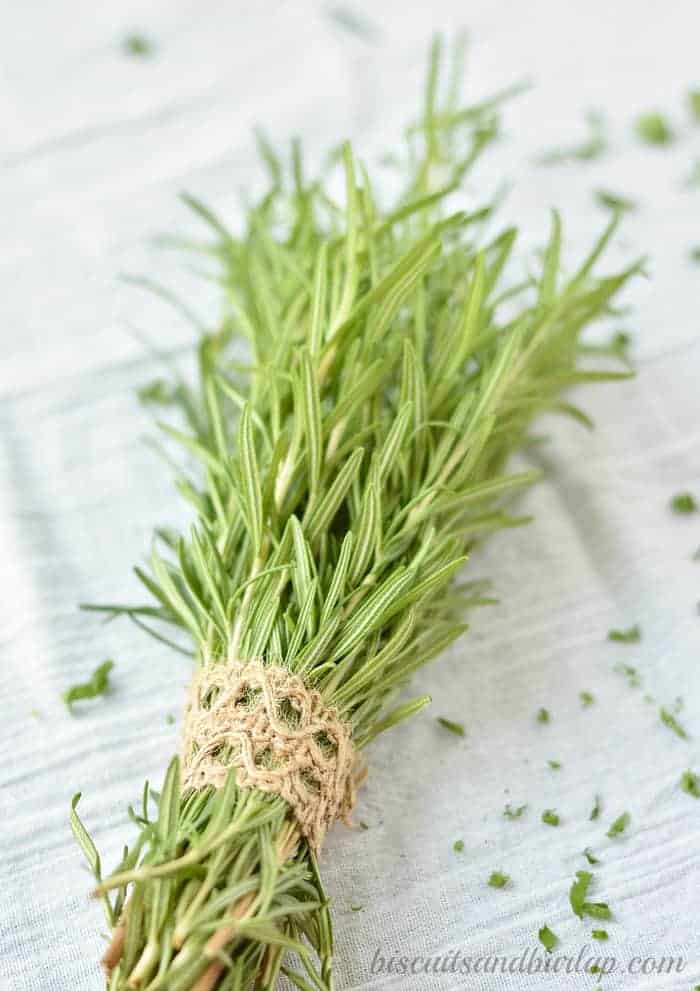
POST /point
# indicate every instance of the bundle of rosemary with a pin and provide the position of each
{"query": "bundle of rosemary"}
(346, 470)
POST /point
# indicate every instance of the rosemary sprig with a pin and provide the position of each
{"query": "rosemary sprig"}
(343, 472)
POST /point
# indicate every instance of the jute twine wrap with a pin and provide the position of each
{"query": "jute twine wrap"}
(279, 735)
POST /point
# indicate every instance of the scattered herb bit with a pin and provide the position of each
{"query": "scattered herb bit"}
(611, 201)
(586, 698)
(138, 45)
(694, 254)
(498, 880)
(97, 685)
(594, 968)
(458, 846)
(351, 21)
(619, 825)
(668, 719)
(510, 813)
(543, 716)
(170, 719)
(356, 908)
(620, 341)
(632, 635)
(35, 714)
(590, 857)
(630, 673)
(550, 817)
(591, 148)
(578, 892)
(694, 103)
(599, 934)
(158, 392)
(363, 825)
(547, 938)
(453, 727)
(597, 910)
(555, 765)
(696, 555)
(690, 784)
(597, 809)
(654, 129)
(684, 502)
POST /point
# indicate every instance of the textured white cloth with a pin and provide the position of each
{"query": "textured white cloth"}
(95, 147)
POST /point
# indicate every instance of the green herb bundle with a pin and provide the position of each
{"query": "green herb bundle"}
(346, 468)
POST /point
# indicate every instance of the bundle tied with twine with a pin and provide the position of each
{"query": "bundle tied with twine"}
(278, 734)
(352, 423)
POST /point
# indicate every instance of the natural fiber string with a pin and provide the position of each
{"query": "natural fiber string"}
(279, 735)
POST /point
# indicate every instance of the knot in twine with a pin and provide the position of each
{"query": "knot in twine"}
(278, 734)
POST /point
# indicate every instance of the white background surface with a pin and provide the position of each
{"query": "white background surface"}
(95, 147)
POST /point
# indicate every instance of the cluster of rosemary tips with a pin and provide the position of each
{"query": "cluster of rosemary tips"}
(344, 447)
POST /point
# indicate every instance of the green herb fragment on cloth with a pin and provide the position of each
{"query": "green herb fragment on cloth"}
(547, 938)
(619, 825)
(690, 784)
(498, 880)
(97, 685)
(654, 129)
(669, 720)
(684, 503)
(631, 635)
(451, 726)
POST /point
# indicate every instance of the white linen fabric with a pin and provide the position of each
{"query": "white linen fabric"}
(95, 147)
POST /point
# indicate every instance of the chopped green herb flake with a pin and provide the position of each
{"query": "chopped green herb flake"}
(619, 825)
(668, 719)
(356, 908)
(597, 809)
(694, 254)
(543, 716)
(599, 934)
(683, 503)
(170, 719)
(654, 129)
(632, 635)
(590, 857)
(157, 392)
(514, 813)
(595, 968)
(498, 880)
(611, 201)
(597, 910)
(578, 892)
(555, 765)
(458, 846)
(35, 714)
(138, 45)
(453, 727)
(363, 825)
(547, 938)
(550, 817)
(97, 685)
(690, 784)
(630, 673)
(620, 341)
(586, 698)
